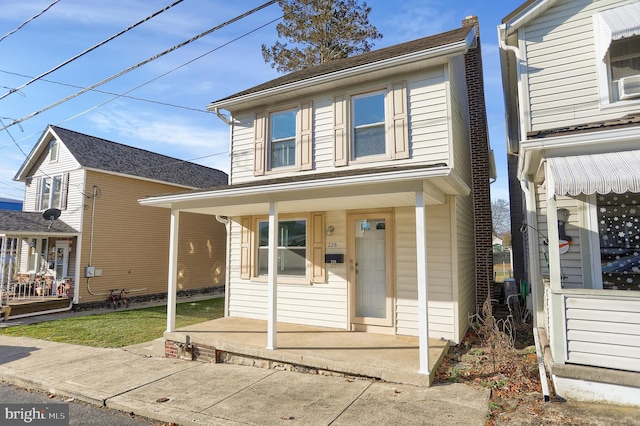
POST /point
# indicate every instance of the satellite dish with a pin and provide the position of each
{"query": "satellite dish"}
(51, 215)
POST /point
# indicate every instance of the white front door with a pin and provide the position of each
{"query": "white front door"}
(370, 268)
(62, 259)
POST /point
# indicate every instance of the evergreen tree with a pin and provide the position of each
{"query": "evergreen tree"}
(320, 31)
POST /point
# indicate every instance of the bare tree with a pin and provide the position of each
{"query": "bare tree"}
(500, 216)
(320, 31)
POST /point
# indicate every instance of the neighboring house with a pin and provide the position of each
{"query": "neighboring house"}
(9, 204)
(93, 235)
(356, 190)
(571, 73)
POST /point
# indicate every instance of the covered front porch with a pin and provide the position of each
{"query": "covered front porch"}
(317, 350)
(35, 257)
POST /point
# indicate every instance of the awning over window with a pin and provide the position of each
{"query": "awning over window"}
(617, 172)
(614, 24)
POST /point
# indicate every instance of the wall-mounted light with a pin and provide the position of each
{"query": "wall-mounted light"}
(330, 230)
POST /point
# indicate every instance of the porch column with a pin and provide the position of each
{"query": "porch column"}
(272, 287)
(76, 274)
(173, 269)
(3, 257)
(421, 257)
(555, 302)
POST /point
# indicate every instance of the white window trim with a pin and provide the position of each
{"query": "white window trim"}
(54, 143)
(351, 129)
(603, 71)
(296, 137)
(282, 279)
(594, 240)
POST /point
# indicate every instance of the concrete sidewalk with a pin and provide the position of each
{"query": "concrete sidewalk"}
(185, 392)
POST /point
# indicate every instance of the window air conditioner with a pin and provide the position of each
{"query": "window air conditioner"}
(629, 87)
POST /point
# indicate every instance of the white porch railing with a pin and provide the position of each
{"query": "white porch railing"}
(599, 328)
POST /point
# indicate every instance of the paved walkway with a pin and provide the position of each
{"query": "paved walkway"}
(185, 392)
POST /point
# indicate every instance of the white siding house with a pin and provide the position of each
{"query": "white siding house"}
(574, 137)
(364, 166)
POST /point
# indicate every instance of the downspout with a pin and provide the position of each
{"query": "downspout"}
(520, 59)
(227, 273)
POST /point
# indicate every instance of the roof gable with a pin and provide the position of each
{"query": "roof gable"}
(100, 154)
(464, 35)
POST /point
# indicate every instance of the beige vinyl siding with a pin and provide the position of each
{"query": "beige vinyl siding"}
(466, 286)
(439, 269)
(563, 88)
(131, 242)
(459, 110)
(428, 121)
(603, 331)
(428, 129)
(570, 262)
(323, 304)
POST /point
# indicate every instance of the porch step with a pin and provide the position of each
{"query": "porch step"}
(31, 307)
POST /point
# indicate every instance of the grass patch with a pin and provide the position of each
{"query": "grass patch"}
(119, 328)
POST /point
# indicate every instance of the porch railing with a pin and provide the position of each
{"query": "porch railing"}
(599, 328)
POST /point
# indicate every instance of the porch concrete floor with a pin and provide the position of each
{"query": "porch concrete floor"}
(387, 357)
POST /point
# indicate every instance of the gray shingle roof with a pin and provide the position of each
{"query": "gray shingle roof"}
(12, 221)
(425, 43)
(101, 154)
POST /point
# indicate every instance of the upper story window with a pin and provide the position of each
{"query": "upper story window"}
(371, 126)
(617, 42)
(368, 132)
(624, 63)
(282, 139)
(52, 193)
(53, 150)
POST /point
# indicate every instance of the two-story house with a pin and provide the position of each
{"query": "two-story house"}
(571, 73)
(359, 193)
(82, 232)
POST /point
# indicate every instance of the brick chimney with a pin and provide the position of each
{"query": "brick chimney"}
(480, 190)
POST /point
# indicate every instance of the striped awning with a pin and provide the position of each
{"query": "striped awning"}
(615, 24)
(603, 173)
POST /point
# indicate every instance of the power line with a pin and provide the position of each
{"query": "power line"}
(28, 20)
(57, 67)
(108, 93)
(147, 82)
(153, 58)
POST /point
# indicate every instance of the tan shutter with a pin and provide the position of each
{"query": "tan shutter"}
(340, 141)
(399, 132)
(306, 136)
(245, 248)
(259, 145)
(316, 245)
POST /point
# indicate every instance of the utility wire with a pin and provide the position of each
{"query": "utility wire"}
(57, 67)
(107, 93)
(153, 58)
(149, 81)
(28, 20)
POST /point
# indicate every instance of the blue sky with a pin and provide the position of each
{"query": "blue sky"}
(182, 129)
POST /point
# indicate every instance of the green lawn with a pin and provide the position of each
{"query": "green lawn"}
(119, 328)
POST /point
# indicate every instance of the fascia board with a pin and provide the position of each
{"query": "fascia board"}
(527, 15)
(444, 52)
(36, 151)
(296, 186)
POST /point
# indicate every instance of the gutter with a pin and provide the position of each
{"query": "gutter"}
(460, 47)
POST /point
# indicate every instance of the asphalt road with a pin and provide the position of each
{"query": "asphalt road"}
(80, 414)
